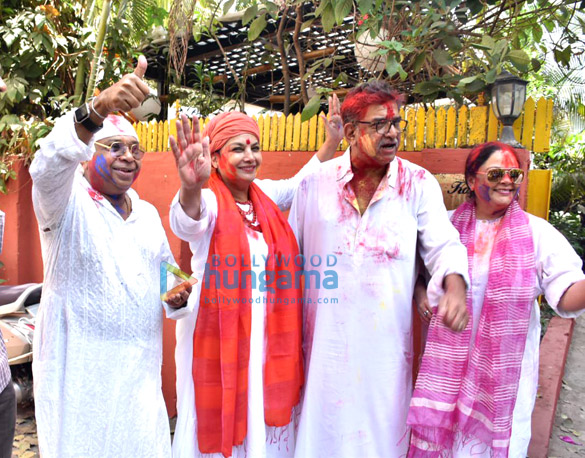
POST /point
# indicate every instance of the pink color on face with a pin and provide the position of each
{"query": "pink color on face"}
(509, 160)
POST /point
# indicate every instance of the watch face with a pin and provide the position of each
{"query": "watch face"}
(82, 113)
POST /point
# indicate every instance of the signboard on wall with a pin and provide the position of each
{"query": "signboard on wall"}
(455, 190)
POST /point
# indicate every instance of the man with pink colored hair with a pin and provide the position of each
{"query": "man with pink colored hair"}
(370, 213)
(98, 340)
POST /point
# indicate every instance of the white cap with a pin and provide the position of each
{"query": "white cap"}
(115, 126)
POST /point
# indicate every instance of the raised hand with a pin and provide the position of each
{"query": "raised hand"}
(126, 94)
(334, 128)
(334, 125)
(191, 154)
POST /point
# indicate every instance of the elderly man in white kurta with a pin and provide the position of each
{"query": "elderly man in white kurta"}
(373, 212)
(98, 341)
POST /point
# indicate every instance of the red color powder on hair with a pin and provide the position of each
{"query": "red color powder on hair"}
(390, 114)
(509, 160)
(358, 104)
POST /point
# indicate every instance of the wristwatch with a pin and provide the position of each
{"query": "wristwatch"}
(82, 117)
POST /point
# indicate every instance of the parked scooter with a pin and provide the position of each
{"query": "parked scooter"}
(18, 308)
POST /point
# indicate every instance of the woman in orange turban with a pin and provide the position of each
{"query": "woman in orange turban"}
(239, 356)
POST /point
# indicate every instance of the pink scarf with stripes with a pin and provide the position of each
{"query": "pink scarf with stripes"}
(461, 395)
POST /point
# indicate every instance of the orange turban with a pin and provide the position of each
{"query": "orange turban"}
(228, 125)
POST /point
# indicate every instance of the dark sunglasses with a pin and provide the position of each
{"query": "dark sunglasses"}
(496, 174)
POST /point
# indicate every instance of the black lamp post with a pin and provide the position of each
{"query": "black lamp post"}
(508, 97)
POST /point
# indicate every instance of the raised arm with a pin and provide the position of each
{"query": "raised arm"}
(282, 191)
(70, 143)
(193, 163)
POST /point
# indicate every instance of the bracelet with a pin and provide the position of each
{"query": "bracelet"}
(94, 110)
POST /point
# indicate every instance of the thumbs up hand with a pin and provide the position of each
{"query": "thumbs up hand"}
(126, 94)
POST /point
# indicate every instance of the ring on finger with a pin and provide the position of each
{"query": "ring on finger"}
(426, 313)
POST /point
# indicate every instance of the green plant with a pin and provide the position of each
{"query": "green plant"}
(200, 95)
(43, 49)
(567, 160)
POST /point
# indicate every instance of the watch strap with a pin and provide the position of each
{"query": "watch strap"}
(82, 117)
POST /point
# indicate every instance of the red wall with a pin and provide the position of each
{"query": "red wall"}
(21, 251)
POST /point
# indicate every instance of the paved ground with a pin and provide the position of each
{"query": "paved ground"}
(568, 436)
(25, 438)
(567, 440)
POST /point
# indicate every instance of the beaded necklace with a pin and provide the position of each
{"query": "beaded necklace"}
(249, 215)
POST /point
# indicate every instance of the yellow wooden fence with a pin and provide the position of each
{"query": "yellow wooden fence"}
(444, 127)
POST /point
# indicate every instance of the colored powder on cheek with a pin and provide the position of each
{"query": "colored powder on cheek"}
(366, 145)
(509, 160)
(484, 191)
(227, 169)
(99, 172)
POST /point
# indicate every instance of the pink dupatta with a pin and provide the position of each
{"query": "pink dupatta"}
(464, 396)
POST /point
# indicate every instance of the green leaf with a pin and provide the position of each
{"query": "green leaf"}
(324, 4)
(536, 65)
(501, 47)
(392, 66)
(328, 19)
(342, 10)
(327, 62)
(272, 7)
(475, 6)
(488, 41)
(311, 108)
(364, 6)
(467, 80)
(442, 57)
(256, 27)
(419, 61)
(307, 24)
(519, 59)
(537, 32)
(490, 76)
(453, 43)
(250, 13)
(426, 88)
(227, 6)
(476, 86)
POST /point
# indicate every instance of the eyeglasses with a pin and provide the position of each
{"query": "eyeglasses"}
(118, 149)
(496, 174)
(383, 126)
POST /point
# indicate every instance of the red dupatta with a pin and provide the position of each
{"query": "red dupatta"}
(221, 343)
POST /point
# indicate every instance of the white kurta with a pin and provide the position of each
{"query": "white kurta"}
(557, 268)
(261, 440)
(98, 337)
(358, 337)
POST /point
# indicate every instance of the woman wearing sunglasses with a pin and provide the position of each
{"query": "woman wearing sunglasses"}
(476, 390)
